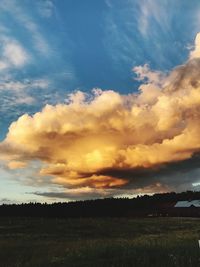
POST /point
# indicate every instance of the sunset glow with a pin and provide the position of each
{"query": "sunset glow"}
(100, 141)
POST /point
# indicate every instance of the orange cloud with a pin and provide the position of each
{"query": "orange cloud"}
(16, 165)
(81, 142)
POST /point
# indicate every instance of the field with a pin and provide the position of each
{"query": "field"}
(156, 242)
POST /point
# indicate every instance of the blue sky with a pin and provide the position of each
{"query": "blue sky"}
(50, 48)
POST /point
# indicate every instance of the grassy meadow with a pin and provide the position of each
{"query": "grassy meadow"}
(156, 242)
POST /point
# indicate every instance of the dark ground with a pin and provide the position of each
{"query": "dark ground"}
(156, 242)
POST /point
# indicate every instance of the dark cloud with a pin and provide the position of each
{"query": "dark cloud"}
(73, 195)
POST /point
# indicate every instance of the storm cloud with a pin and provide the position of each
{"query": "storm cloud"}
(108, 141)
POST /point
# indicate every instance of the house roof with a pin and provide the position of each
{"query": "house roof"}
(187, 204)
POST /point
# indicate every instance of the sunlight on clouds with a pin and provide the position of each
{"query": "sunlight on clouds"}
(196, 52)
(104, 140)
(16, 165)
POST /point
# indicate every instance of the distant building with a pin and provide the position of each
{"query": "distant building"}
(188, 204)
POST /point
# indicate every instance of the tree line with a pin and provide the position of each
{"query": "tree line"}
(146, 205)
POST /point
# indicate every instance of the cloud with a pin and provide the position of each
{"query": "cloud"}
(4, 201)
(26, 20)
(23, 85)
(45, 8)
(152, 10)
(21, 91)
(196, 52)
(16, 165)
(108, 141)
(145, 73)
(77, 194)
(39, 41)
(84, 193)
(3, 65)
(13, 54)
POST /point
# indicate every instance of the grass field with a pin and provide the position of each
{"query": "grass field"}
(156, 242)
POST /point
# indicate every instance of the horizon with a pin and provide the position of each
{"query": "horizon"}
(123, 197)
(99, 99)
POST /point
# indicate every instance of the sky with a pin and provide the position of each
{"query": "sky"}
(98, 98)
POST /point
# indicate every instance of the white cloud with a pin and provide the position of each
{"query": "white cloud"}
(15, 54)
(3, 65)
(23, 85)
(26, 21)
(20, 91)
(196, 52)
(25, 99)
(12, 53)
(39, 42)
(152, 9)
(145, 73)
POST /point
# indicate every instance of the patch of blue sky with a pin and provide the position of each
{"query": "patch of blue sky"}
(86, 44)
(151, 32)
